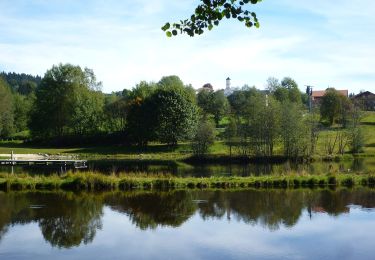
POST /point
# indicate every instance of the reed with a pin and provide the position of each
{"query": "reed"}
(93, 181)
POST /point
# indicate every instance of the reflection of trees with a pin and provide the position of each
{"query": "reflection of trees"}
(68, 222)
(65, 219)
(68, 219)
(149, 210)
(274, 208)
(11, 206)
(269, 208)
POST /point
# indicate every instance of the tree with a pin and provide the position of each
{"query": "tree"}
(115, 110)
(231, 134)
(272, 84)
(294, 131)
(334, 106)
(356, 138)
(67, 102)
(239, 100)
(287, 90)
(203, 138)
(215, 103)
(291, 85)
(262, 124)
(141, 122)
(210, 13)
(176, 115)
(204, 100)
(220, 105)
(167, 114)
(141, 116)
(22, 109)
(22, 83)
(6, 110)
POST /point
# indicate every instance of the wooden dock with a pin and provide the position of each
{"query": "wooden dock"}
(74, 163)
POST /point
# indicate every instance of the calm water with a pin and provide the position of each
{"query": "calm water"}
(289, 224)
(182, 169)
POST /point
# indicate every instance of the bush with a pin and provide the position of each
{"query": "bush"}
(204, 138)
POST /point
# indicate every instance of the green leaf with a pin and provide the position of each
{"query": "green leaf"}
(169, 34)
(166, 26)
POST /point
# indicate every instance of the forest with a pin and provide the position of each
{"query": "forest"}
(67, 107)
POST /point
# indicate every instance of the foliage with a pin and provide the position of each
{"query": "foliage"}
(22, 106)
(67, 102)
(115, 113)
(356, 138)
(262, 124)
(6, 110)
(231, 133)
(294, 131)
(287, 90)
(209, 13)
(203, 138)
(239, 100)
(334, 105)
(141, 122)
(23, 84)
(175, 114)
(213, 102)
(167, 114)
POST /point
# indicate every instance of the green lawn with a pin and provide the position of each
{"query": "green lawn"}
(157, 151)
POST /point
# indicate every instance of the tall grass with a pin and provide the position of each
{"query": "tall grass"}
(93, 181)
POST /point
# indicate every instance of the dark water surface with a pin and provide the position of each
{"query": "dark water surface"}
(203, 170)
(257, 224)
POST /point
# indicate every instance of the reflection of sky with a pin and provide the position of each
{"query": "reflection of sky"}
(347, 236)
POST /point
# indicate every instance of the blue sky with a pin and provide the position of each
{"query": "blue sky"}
(320, 43)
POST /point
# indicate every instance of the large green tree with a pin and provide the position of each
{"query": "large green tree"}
(22, 108)
(68, 101)
(176, 115)
(6, 110)
(295, 132)
(287, 90)
(334, 106)
(167, 113)
(213, 102)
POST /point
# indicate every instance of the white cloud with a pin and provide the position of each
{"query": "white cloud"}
(123, 43)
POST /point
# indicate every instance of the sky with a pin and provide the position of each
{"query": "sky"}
(318, 43)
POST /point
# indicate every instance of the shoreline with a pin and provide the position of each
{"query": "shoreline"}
(93, 181)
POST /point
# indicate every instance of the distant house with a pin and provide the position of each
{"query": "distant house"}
(207, 87)
(365, 100)
(318, 94)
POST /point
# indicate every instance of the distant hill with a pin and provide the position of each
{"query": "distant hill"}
(21, 82)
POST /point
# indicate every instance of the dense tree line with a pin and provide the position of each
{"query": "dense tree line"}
(67, 106)
(22, 83)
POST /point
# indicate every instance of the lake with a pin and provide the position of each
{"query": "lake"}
(260, 224)
(204, 170)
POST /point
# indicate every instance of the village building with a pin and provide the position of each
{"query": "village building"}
(365, 100)
(317, 95)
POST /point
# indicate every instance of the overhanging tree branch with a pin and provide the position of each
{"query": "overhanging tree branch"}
(209, 14)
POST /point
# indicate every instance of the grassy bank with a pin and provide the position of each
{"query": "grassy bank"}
(219, 152)
(95, 181)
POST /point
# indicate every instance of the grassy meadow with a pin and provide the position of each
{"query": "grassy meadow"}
(157, 151)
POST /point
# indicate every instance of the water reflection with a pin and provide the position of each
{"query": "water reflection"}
(202, 170)
(67, 220)
(150, 210)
